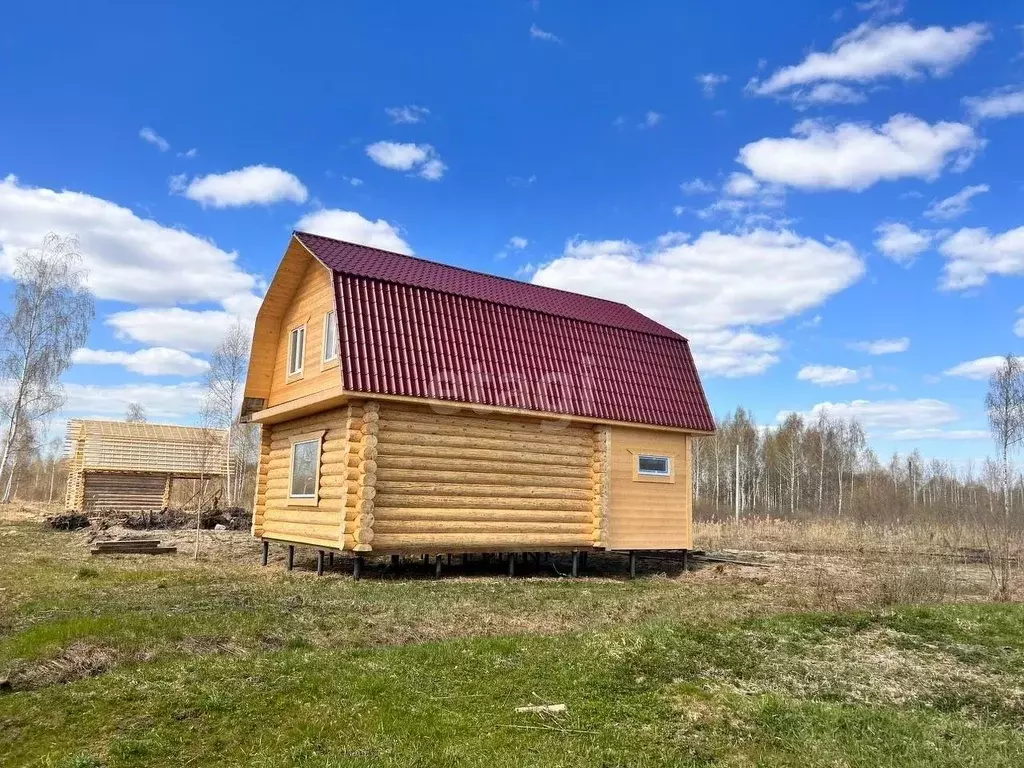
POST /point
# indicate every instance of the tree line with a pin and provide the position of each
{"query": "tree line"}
(823, 466)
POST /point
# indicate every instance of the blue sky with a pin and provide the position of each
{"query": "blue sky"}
(788, 184)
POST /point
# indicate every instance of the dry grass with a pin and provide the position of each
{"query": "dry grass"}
(831, 536)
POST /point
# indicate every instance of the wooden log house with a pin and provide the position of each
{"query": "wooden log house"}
(411, 407)
(130, 467)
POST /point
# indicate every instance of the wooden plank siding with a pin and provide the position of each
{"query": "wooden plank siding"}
(312, 300)
(649, 513)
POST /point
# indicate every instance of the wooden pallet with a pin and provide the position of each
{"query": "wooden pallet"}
(131, 547)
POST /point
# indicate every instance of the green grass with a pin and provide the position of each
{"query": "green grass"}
(131, 662)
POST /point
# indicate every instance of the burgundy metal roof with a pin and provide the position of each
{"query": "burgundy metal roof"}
(427, 330)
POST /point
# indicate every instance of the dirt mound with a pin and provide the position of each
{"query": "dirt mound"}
(229, 518)
(70, 521)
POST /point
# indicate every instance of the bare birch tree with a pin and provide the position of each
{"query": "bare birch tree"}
(1005, 406)
(135, 413)
(224, 382)
(50, 318)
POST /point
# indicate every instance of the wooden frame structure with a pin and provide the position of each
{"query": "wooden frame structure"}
(130, 467)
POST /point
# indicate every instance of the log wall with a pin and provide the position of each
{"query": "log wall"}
(454, 483)
(122, 491)
(400, 478)
(320, 523)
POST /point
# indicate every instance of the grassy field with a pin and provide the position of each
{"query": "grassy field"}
(816, 661)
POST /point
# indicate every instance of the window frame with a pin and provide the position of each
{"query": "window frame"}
(335, 352)
(298, 372)
(305, 500)
(654, 477)
(657, 457)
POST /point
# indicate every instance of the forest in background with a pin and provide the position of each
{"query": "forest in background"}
(826, 468)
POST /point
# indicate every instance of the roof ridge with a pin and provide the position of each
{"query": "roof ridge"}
(495, 277)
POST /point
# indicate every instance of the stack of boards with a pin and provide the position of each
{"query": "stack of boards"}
(131, 547)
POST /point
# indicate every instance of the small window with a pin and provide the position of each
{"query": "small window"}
(296, 350)
(305, 457)
(656, 466)
(330, 337)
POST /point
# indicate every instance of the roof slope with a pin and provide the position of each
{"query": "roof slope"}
(421, 329)
(135, 447)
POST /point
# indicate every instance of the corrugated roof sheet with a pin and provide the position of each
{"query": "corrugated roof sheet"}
(427, 330)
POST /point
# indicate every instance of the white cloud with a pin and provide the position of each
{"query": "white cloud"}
(974, 254)
(155, 361)
(882, 8)
(149, 135)
(170, 402)
(826, 93)
(697, 186)
(353, 228)
(355, 182)
(954, 205)
(652, 119)
(733, 354)
(901, 243)
(716, 283)
(854, 156)
(1004, 102)
(408, 114)
(872, 52)
(396, 156)
(515, 243)
(521, 181)
(253, 185)
(678, 210)
(187, 329)
(433, 169)
(741, 185)
(831, 375)
(882, 346)
(979, 370)
(128, 258)
(1018, 327)
(526, 270)
(669, 239)
(748, 201)
(539, 34)
(709, 82)
(940, 434)
(189, 153)
(924, 413)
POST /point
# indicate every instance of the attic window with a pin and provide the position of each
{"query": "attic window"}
(296, 350)
(330, 351)
(653, 466)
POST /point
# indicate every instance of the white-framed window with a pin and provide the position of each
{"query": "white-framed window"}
(296, 350)
(305, 468)
(650, 465)
(330, 350)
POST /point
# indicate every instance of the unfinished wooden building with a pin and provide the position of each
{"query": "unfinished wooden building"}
(129, 467)
(410, 407)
